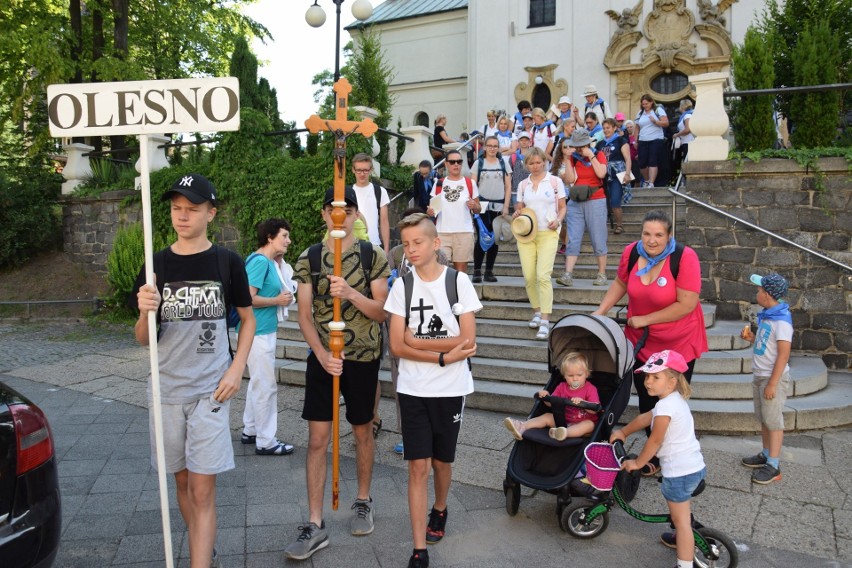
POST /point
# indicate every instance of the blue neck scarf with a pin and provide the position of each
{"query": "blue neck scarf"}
(655, 260)
(612, 138)
(780, 312)
(504, 134)
(564, 115)
(543, 125)
(595, 130)
(597, 102)
(578, 158)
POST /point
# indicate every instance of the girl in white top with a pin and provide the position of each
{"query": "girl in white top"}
(673, 440)
(507, 139)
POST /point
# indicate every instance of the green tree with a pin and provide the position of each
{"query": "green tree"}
(244, 67)
(370, 75)
(815, 62)
(753, 68)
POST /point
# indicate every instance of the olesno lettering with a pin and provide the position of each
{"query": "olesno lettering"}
(139, 107)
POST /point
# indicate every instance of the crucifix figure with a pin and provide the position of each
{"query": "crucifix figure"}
(342, 128)
(422, 309)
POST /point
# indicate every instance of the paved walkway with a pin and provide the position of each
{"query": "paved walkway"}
(91, 382)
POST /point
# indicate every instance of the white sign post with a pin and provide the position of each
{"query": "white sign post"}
(143, 108)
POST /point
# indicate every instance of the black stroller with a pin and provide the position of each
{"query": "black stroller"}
(542, 463)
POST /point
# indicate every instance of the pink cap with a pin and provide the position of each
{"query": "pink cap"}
(619, 116)
(664, 360)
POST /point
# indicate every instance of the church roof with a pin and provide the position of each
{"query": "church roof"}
(392, 10)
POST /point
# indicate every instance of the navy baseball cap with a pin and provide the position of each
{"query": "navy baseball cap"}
(774, 284)
(348, 196)
(194, 187)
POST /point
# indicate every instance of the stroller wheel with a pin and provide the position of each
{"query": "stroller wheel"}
(573, 521)
(513, 498)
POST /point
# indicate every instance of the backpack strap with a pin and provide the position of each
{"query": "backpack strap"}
(223, 258)
(451, 282)
(469, 183)
(315, 261)
(674, 259)
(480, 163)
(377, 189)
(408, 283)
(367, 264)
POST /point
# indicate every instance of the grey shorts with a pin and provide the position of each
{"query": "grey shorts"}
(196, 437)
(770, 413)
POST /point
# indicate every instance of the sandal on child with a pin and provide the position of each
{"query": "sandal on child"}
(618, 229)
(649, 470)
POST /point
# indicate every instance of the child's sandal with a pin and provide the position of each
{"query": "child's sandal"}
(649, 470)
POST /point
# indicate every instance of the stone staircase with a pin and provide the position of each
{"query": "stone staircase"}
(511, 364)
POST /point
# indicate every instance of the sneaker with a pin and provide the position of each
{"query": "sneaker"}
(600, 280)
(543, 331)
(669, 539)
(647, 184)
(362, 522)
(214, 561)
(489, 277)
(419, 560)
(437, 524)
(311, 539)
(278, 449)
(754, 461)
(246, 439)
(399, 449)
(559, 433)
(535, 321)
(766, 475)
(516, 427)
(566, 279)
(477, 277)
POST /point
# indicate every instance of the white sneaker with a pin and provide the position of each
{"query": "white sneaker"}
(543, 331)
(600, 279)
(535, 321)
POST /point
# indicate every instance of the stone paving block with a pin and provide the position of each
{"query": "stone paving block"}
(267, 560)
(80, 485)
(90, 553)
(119, 482)
(97, 526)
(127, 465)
(272, 514)
(151, 522)
(844, 550)
(802, 484)
(482, 467)
(145, 548)
(71, 468)
(771, 528)
(334, 556)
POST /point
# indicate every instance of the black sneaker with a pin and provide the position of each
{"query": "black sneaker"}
(477, 277)
(437, 524)
(754, 461)
(766, 475)
(489, 277)
(246, 439)
(419, 560)
(669, 539)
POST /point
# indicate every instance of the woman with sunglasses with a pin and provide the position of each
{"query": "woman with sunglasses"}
(662, 281)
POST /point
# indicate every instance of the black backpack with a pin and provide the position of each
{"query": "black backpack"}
(450, 281)
(314, 261)
(674, 259)
(481, 164)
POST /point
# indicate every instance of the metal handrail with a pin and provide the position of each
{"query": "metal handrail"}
(675, 192)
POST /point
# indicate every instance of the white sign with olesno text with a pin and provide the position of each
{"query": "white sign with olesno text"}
(144, 107)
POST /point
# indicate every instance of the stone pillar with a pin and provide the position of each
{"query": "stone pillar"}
(417, 151)
(709, 122)
(458, 146)
(372, 114)
(76, 167)
(156, 157)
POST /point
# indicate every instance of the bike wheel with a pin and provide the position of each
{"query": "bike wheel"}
(572, 520)
(513, 498)
(724, 550)
(628, 484)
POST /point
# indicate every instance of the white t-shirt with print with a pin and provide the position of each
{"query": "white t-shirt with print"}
(542, 200)
(431, 316)
(505, 141)
(680, 453)
(455, 217)
(366, 196)
(492, 181)
(766, 339)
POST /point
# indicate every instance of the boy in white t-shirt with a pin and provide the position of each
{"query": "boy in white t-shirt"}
(433, 341)
(375, 214)
(772, 344)
(459, 197)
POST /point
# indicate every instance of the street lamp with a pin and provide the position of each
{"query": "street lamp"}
(315, 16)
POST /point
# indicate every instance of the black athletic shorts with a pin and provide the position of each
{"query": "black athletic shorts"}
(430, 426)
(357, 385)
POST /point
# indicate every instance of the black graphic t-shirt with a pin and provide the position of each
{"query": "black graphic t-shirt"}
(193, 340)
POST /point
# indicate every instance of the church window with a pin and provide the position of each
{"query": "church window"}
(542, 13)
(669, 83)
(421, 119)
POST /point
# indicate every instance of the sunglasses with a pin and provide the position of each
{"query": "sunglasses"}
(454, 162)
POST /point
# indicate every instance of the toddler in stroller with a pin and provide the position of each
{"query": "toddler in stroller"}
(565, 421)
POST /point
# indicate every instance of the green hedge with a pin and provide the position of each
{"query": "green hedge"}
(30, 219)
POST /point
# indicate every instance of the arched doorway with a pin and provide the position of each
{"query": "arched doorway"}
(421, 119)
(541, 97)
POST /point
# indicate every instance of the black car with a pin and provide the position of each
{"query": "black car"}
(30, 509)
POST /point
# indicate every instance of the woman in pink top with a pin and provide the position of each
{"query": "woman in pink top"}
(667, 305)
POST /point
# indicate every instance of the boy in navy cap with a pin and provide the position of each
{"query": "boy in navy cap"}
(772, 344)
(196, 281)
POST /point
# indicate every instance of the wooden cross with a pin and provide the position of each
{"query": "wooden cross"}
(342, 128)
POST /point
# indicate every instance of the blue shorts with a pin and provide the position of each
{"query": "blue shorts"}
(680, 489)
(585, 216)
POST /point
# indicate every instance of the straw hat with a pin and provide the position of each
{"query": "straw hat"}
(503, 229)
(525, 226)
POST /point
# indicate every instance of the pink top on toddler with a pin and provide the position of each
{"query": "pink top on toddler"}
(587, 392)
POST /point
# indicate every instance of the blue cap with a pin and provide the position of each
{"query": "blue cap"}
(774, 284)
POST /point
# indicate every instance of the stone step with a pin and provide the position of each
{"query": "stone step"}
(520, 311)
(829, 407)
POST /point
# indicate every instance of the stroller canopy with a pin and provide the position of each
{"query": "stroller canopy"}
(598, 337)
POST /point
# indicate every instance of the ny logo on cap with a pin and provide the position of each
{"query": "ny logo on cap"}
(186, 181)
